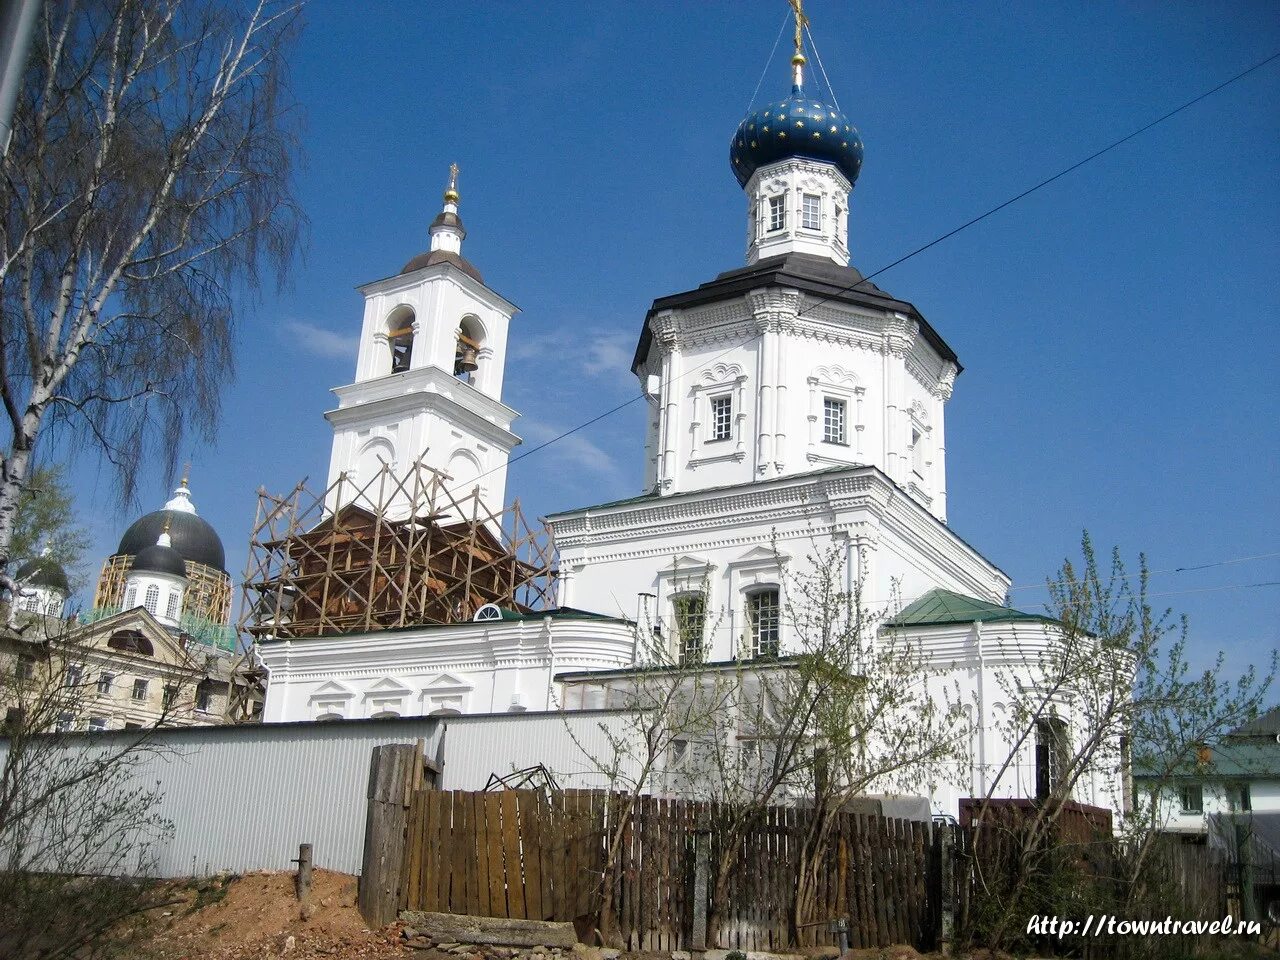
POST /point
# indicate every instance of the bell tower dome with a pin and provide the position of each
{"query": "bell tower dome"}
(428, 380)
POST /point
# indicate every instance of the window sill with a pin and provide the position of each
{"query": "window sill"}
(836, 443)
(718, 440)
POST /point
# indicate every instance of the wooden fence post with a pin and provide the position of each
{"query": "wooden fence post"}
(395, 771)
(303, 888)
(701, 877)
(943, 884)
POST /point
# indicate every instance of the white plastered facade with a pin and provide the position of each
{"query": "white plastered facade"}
(484, 667)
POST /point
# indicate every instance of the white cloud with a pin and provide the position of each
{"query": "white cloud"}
(593, 353)
(574, 451)
(320, 342)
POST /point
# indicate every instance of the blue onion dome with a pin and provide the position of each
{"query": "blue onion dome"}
(797, 126)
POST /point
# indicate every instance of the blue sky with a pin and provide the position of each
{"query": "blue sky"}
(1118, 329)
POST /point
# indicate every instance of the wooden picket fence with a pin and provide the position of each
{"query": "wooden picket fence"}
(542, 855)
(531, 855)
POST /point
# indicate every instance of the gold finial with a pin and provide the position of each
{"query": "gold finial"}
(451, 194)
(167, 521)
(186, 474)
(798, 59)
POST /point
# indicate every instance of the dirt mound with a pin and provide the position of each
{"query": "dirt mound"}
(255, 916)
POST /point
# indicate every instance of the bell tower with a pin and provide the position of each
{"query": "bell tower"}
(428, 380)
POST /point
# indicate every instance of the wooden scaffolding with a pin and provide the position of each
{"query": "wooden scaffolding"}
(396, 550)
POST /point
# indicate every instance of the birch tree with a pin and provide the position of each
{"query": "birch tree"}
(147, 191)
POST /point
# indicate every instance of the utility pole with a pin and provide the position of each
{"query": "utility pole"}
(17, 26)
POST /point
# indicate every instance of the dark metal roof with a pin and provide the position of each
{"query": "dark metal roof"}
(159, 559)
(1267, 725)
(432, 257)
(805, 272)
(190, 535)
(44, 572)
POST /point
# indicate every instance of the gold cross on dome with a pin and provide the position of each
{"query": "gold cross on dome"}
(797, 7)
(453, 176)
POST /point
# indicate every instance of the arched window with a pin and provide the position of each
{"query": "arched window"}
(466, 357)
(690, 615)
(400, 338)
(131, 598)
(763, 621)
(171, 608)
(152, 601)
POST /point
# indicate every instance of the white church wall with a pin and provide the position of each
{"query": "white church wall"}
(611, 558)
(464, 668)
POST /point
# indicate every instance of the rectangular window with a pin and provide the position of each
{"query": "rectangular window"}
(1193, 798)
(691, 622)
(763, 617)
(833, 421)
(97, 723)
(74, 674)
(721, 418)
(65, 722)
(811, 212)
(777, 213)
(204, 697)
(1051, 755)
(104, 683)
(140, 689)
(917, 453)
(1246, 799)
(170, 695)
(25, 668)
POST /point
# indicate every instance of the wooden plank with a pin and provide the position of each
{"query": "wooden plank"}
(436, 866)
(511, 856)
(490, 858)
(530, 860)
(875, 837)
(458, 885)
(479, 900)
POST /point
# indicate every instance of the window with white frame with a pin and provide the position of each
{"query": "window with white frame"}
(722, 417)
(777, 213)
(171, 608)
(917, 453)
(140, 689)
(131, 598)
(690, 613)
(811, 211)
(835, 419)
(1193, 798)
(65, 722)
(97, 723)
(763, 620)
(104, 683)
(74, 674)
(152, 601)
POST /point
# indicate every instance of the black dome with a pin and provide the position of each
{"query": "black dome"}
(191, 536)
(43, 572)
(160, 559)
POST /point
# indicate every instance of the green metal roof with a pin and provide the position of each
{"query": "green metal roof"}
(1230, 760)
(945, 606)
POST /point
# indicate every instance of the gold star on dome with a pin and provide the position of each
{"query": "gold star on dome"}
(782, 134)
(833, 128)
(753, 144)
(800, 123)
(817, 134)
(764, 129)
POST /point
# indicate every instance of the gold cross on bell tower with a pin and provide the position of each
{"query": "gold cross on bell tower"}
(451, 194)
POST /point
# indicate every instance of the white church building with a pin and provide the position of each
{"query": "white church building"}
(793, 406)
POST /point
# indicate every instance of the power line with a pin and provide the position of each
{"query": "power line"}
(1153, 573)
(919, 250)
(1057, 176)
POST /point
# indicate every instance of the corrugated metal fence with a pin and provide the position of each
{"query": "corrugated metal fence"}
(243, 798)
